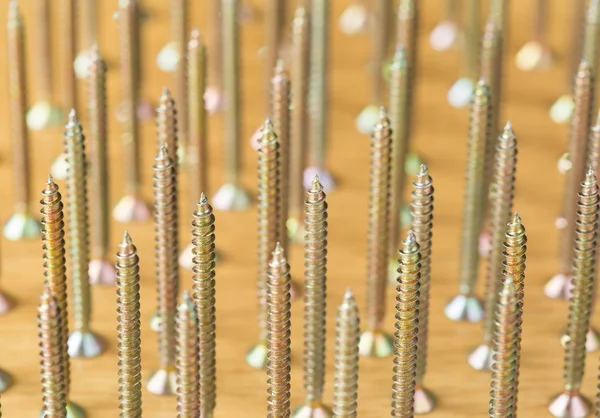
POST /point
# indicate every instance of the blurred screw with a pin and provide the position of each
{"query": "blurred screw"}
(188, 371)
(536, 53)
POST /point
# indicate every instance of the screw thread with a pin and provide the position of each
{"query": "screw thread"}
(278, 336)
(593, 158)
(421, 209)
(379, 215)
(592, 31)
(273, 26)
(407, 35)
(128, 330)
(203, 241)
(166, 125)
(584, 266)
(345, 374)
(479, 130)
(471, 42)
(407, 324)
(188, 371)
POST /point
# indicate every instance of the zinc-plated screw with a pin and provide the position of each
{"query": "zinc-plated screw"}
(278, 335)
(167, 120)
(375, 342)
(345, 374)
(407, 324)
(465, 306)
(51, 357)
(584, 266)
(68, 48)
(188, 372)
(274, 24)
(593, 154)
(502, 189)
(591, 35)
(128, 330)
(406, 35)
(203, 242)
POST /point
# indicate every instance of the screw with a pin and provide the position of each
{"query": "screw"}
(536, 53)
(406, 35)
(162, 381)
(593, 155)
(82, 341)
(22, 224)
(407, 324)
(380, 35)
(274, 24)
(86, 16)
(213, 95)
(188, 376)
(68, 37)
(590, 38)
(558, 286)
(465, 306)
(375, 342)
(571, 402)
(51, 354)
(203, 242)
(345, 374)
(299, 76)
(128, 329)
(167, 121)
(278, 335)
(179, 33)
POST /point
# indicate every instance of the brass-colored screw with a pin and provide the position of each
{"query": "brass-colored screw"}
(590, 38)
(179, 33)
(215, 65)
(407, 324)
(421, 210)
(407, 33)
(82, 341)
(162, 381)
(374, 341)
(51, 356)
(203, 242)
(299, 77)
(167, 120)
(345, 374)
(593, 151)
(502, 189)
(558, 286)
(128, 329)
(68, 48)
(188, 372)
(268, 229)
(472, 39)
(584, 266)
(465, 306)
(273, 26)
(380, 35)
(278, 335)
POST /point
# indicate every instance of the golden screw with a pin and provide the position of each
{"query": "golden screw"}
(215, 48)
(51, 354)
(128, 330)
(274, 24)
(593, 154)
(583, 268)
(345, 374)
(22, 224)
(407, 33)
(407, 328)
(501, 196)
(315, 272)
(203, 242)
(188, 371)
(278, 335)
(179, 33)
(558, 286)
(68, 48)
(465, 306)
(380, 35)
(268, 230)
(162, 381)
(82, 341)
(374, 341)
(166, 125)
(590, 37)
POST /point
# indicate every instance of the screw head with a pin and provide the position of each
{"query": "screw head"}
(162, 382)
(22, 225)
(375, 343)
(325, 178)
(312, 410)
(102, 272)
(257, 356)
(481, 357)
(569, 405)
(85, 344)
(424, 401)
(464, 308)
(559, 287)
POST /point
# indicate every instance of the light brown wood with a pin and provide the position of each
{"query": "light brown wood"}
(440, 133)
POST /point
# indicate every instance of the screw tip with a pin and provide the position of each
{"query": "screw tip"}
(516, 219)
(279, 67)
(163, 152)
(195, 34)
(316, 185)
(126, 247)
(50, 180)
(410, 237)
(73, 116)
(423, 171)
(590, 175)
(203, 200)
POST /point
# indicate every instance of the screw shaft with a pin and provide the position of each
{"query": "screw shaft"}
(68, 36)
(188, 373)
(179, 32)
(593, 154)
(471, 48)
(87, 28)
(215, 47)
(379, 41)
(274, 24)
(43, 50)
(167, 124)
(407, 34)
(591, 35)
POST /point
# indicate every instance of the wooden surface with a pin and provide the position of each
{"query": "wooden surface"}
(440, 133)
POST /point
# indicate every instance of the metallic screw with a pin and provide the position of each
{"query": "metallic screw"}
(591, 36)
(593, 154)
(299, 76)
(465, 306)
(407, 324)
(280, 114)
(345, 374)
(188, 371)
(87, 27)
(278, 335)
(380, 35)
(167, 119)
(203, 241)
(179, 33)
(216, 44)
(43, 47)
(162, 381)
(406, 35)
(51, 354)
(128, 330)
(584, 266)
(505, 366)
(274, 24)
(68, 48)
(471, 48)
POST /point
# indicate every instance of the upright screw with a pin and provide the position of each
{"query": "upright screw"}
(593, 151)
(213, 94)
(22, 224)
(536, 53)
(591, 36)
(162, 380)
(374, 341)
(188, 375)
(407, 33)
(571, 402)
(274, 24)
(68, 48)
(51, 357)
(558, 286)
(345, 374)
(465, 306)
(268, 230)
(407, 324)
(167, 120)
(203, 242)
(128, 329)
(278, 335)
(382, 9)
(82, 341)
